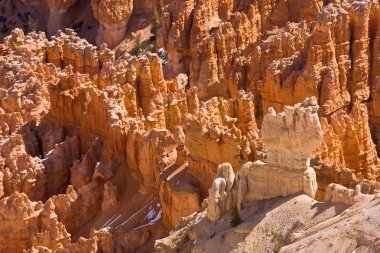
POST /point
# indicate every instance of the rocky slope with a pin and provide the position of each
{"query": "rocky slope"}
(274, 226)
(105, 149)
(259, 220)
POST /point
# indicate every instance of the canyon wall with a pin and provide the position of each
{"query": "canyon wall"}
(283, 55)
(112, 143)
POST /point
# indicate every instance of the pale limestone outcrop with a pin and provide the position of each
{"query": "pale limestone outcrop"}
(291, 136)
(340, 194)
(220, 199)
(113, 17)
(257, 181)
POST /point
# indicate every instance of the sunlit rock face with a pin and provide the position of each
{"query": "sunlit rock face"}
(113, 18)
(230, 101)
(292, 135)
(286, 169)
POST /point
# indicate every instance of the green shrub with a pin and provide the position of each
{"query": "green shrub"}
(142, 48)
(278, 242)
(235, 217)
(155, 24)
(137, 50)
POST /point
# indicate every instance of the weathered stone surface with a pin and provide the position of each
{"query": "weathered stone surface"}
(25, 224)
(122, 128)
(228, 131)
(257, 181)
(110, 196)
(179, 197)
(292, 135)
(113, 17)
(220, 198)
(57, 8)
(286, 170)
(340, 194)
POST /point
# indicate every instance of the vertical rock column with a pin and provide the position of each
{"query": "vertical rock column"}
(113, 17)
(290, 137)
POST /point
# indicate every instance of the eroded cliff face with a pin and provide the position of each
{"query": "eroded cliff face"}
(30, 224)
(119, 148)
(113, 17)
(271, 204)
(110, 22)
(282, 55)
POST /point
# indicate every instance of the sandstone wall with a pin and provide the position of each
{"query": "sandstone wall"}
(75, 119)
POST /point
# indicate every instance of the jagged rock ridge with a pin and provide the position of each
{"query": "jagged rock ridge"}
(112, 143)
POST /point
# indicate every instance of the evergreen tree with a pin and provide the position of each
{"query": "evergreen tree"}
(137, 50)
(235, 217)
(155, 24)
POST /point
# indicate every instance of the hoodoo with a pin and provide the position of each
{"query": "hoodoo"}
(189, 126)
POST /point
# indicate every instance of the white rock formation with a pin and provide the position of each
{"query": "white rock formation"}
(220, 199)
(290, 137)
(340, 194)
(257, 181)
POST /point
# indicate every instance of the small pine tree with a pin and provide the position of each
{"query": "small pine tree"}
(137, 50)
(155, 24)
(235, 217)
